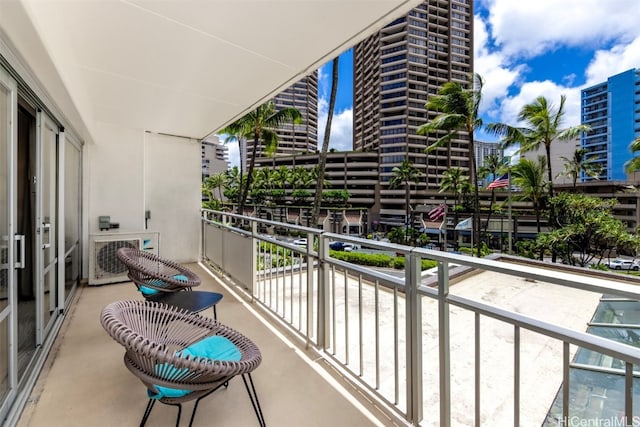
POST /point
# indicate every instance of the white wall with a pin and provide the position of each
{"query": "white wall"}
(131, 171)
(173, 195)
(115, 169)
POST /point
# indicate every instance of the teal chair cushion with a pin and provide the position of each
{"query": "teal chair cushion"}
(215, 348)
(147, 291)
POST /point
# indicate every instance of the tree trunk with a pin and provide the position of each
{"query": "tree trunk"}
(322, 161)
(245, 190)
(493, 198)
(476, 202)
(549, 173)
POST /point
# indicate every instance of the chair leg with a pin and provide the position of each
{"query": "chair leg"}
(179, 414)
(147, 412)
(195, 406)
(254, 399)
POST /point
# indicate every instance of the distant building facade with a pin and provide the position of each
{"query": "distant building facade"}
(215, 156)
(293, 139)
(395, 71)
(484, 150)
(612, 110)
(560, 150)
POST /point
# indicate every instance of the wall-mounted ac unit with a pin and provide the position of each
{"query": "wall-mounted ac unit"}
(104, 265)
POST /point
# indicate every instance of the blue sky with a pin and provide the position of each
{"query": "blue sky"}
(524, 50)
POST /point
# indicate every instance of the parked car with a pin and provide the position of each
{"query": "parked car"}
(300, 242)
(341, 246)
(623, 264)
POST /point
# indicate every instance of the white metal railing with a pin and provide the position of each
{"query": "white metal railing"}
(373, 324)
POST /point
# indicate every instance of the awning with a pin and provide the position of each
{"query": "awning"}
(466, 224)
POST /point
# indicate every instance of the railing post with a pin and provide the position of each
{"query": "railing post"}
(444, 347)
(203, 216)
(414, 337)
(254, 258)
(310, 268)
(323, 293)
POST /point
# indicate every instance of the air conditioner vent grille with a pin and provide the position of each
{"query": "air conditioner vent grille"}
(104, 265)
(106, 258)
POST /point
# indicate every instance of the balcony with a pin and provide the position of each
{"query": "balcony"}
(470, 342)
(85, 382)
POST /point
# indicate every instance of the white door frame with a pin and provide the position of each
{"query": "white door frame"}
(9, 241)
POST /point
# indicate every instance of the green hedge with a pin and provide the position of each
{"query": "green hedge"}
(378, 260)
(374, 260)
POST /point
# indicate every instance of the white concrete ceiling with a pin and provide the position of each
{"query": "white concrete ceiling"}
(183, 67)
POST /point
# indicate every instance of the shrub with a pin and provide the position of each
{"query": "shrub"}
(373, 260)
(398, 263)
(378, 260)
(427, 264)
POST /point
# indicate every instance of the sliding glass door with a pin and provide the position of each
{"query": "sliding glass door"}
(8, 242)
(40, 245)
(46, 246)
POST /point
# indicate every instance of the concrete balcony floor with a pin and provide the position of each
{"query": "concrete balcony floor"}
(85, 383)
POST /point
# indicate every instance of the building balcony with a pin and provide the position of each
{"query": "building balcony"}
(85, 382)
(468, 342)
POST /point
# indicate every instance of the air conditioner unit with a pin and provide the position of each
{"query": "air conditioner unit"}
(104, 265)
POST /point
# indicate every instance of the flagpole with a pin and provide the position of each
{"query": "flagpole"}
(446, 208)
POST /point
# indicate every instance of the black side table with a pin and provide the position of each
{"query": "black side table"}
(194, 301)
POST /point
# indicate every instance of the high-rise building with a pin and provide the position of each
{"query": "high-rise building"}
(612, 110)
(395, 71)
(482, 151)
(215, 156)
(561, 151)
(295, 139)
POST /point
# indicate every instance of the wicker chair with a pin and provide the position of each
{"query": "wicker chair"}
(159, 280)
(156, 337)
(152, 274)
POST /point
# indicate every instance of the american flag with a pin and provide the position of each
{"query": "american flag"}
(501, 182)
(437, 212)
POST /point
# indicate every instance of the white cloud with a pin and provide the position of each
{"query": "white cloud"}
(517, 31)
(234, 154)
(341, 137)
(493, 68)
(526, 29)
(621, 57)
(529, 91)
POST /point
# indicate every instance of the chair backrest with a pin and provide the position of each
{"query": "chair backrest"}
(151, 272)
(153, 335)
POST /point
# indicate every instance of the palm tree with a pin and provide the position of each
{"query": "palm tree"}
(235, 136)
(633, 165)
(578, 163)
(262, 179)
(458, 108)
(261, 124)
(528, 175)
(217, 181)
(233, 184)
(543, 124)
(322, 161)
(404, 175)
(493, 166)
(301, 178)
(453, 181)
